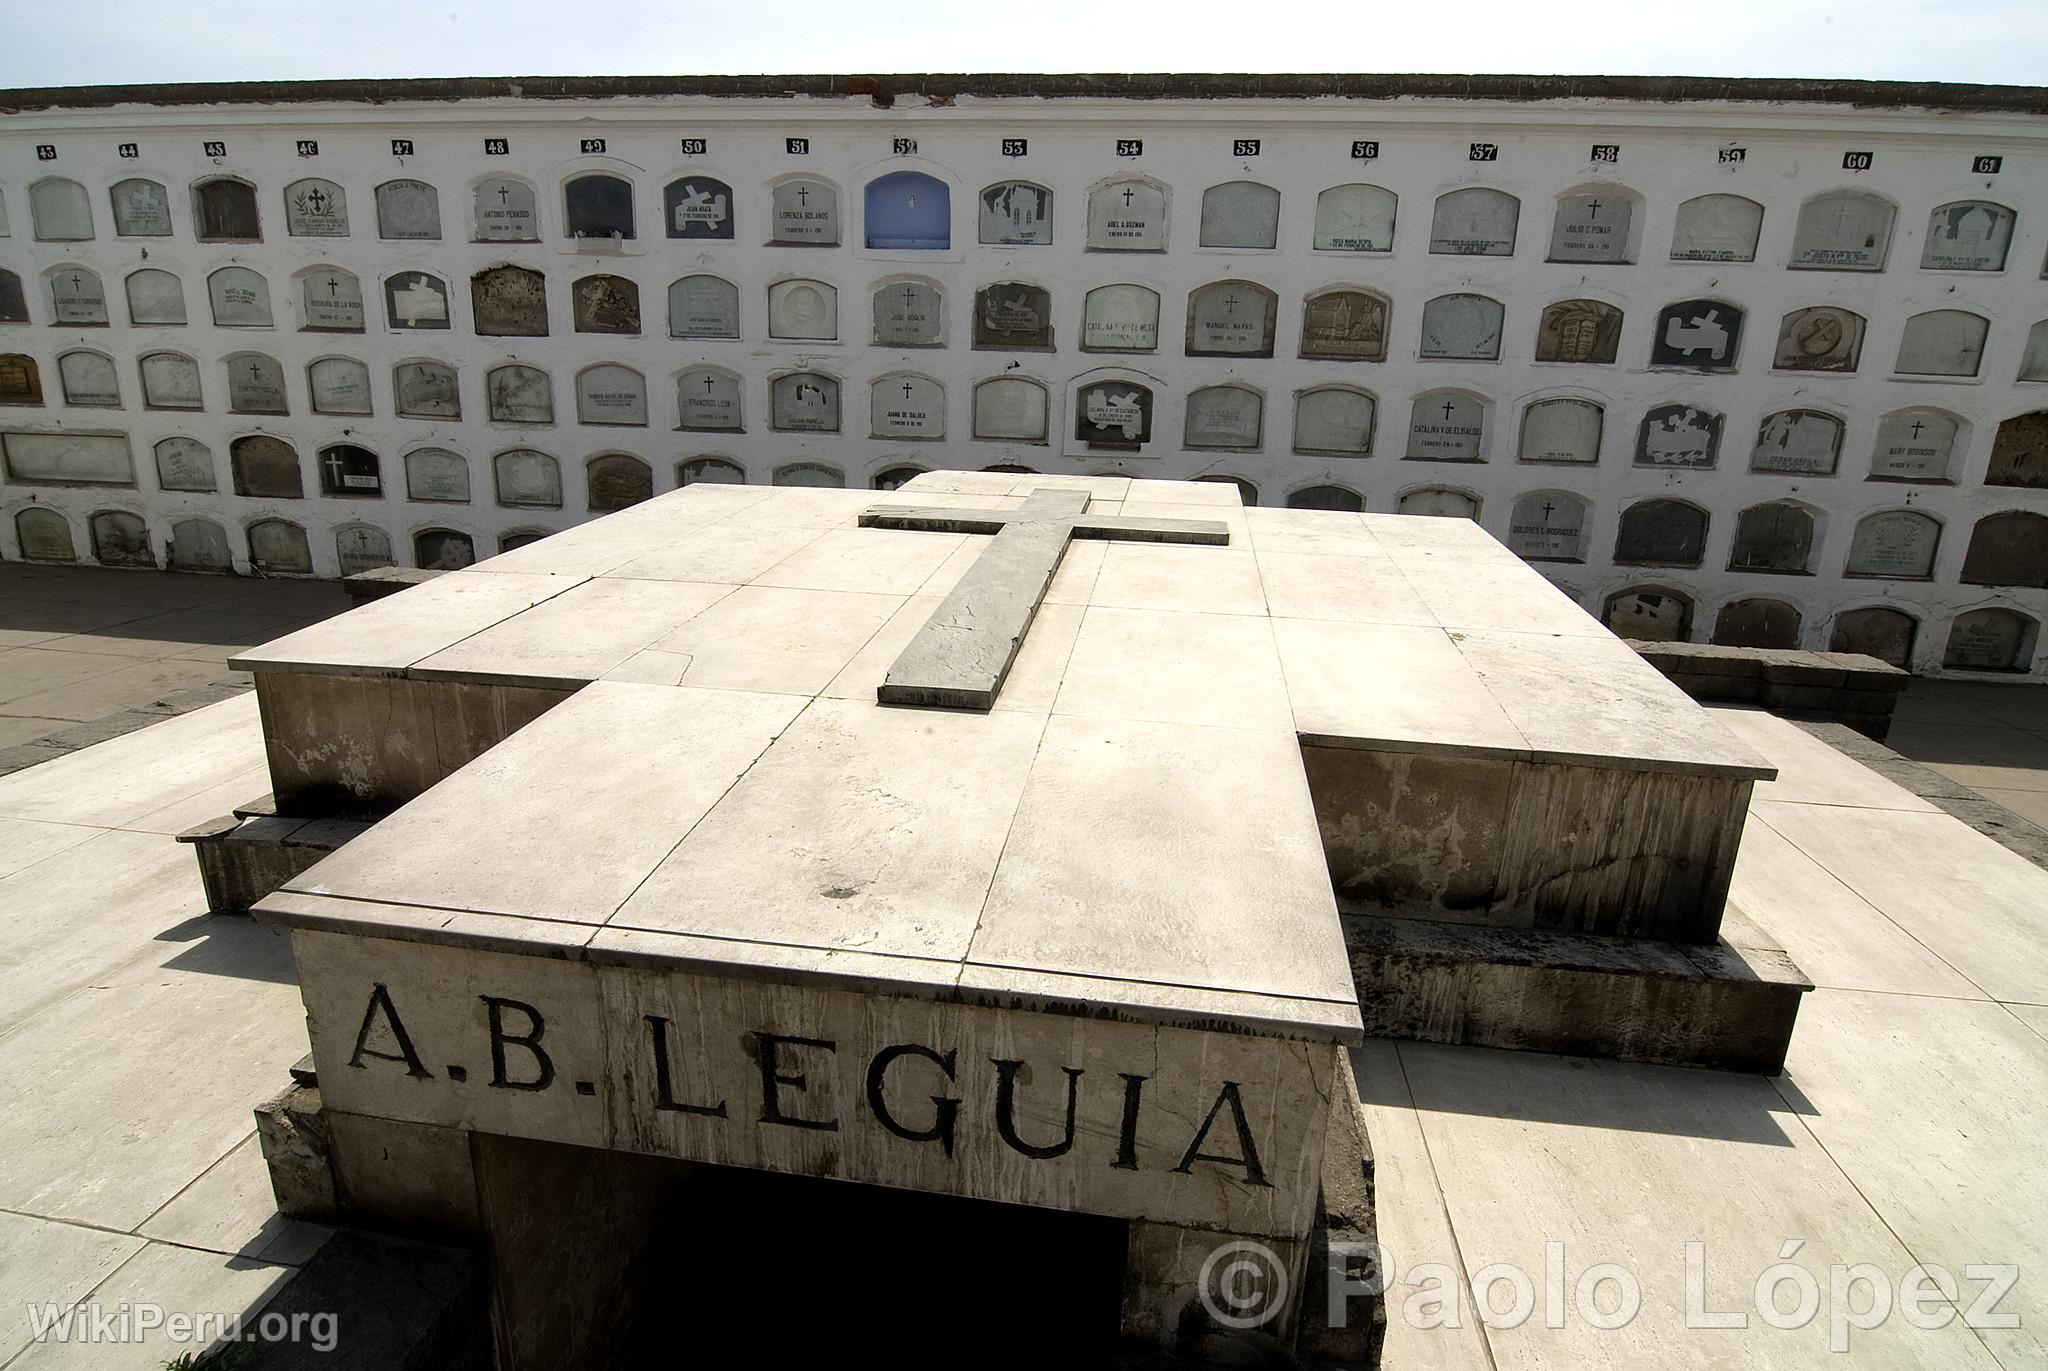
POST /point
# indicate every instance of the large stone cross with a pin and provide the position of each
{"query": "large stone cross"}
(959, 658)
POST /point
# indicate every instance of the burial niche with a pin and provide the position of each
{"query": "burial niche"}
(1475, 222)
(68, 459)
(349, 470)
(703, 307)
(443, 549)
(2008, 549)
(803, 310)
(1592, 226)
(616, 481)
(1699, 335)
(314, 208)
(716, 471)
(1798, 442)
(598, 206)
(1943, 342)
(1334, 420)
(1679, 435)
(1355, 218)
(1246, 491)
(1345, 326)
(1439, 502)
(142, 208)
(804, 402)
(1914, 445)
(224, 211)
(514, 539)
(519, 395)
(908, 315)
(88, 380)
(1461, 328)
(155, 297)
(14, 300)
(1015, 214)
(2019, 452)
(907, 407)
(1013, 317)
(804, 213)
(60, 210)
(1879, 631)
(1561, 430)
(19, 380)
(605, 304)
(1224, 417)
(611, 393)
(434, 475)
(509, 302)
(278, 547)
(1661, 533)
(813, 474)
(895, 478)
(1773, 537)
(697, 207)
(1231, 319)
(1968, 235)
(1991, 639)
(416, 300)
(408, 211)
(1649, 614)
(1819, 338)
(199, 545)
(426, 390)
(255, 384)
(1756, 623)
(1894, 545)
(184, 464)
(170, 380)
(240, 298)
(1011, 409)
(332, 300)
(1578, 331)
(527, 479)
(77, 297)
(1120, 318)
(2034, 360)
(1335, 498)
(1113, 414)
(1240, 214)
(709, 400)
(1843, 230)
(1548, 526)
(1716, 228)
(507, 211)
(120, 539)
(1127, 215)
(908, 209)
(45, 536)
(266, 468)
(362, 547)
(1447, 426)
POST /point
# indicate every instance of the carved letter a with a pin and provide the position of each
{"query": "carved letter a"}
(380, 1000)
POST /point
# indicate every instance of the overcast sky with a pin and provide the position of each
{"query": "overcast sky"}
(89, 42)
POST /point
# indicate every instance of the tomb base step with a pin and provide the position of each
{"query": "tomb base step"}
(241, 860)
(1710, 1004)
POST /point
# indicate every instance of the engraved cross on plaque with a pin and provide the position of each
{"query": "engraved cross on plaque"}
(964, 651)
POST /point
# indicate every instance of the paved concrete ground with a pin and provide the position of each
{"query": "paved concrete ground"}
(1992, 738)
(87, 653)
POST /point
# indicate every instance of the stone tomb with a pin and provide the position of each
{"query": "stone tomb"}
(1092, 943)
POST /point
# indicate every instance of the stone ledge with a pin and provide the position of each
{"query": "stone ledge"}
(1845, 687)
(378, 582)
(1715, 1005)
(241, 860)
